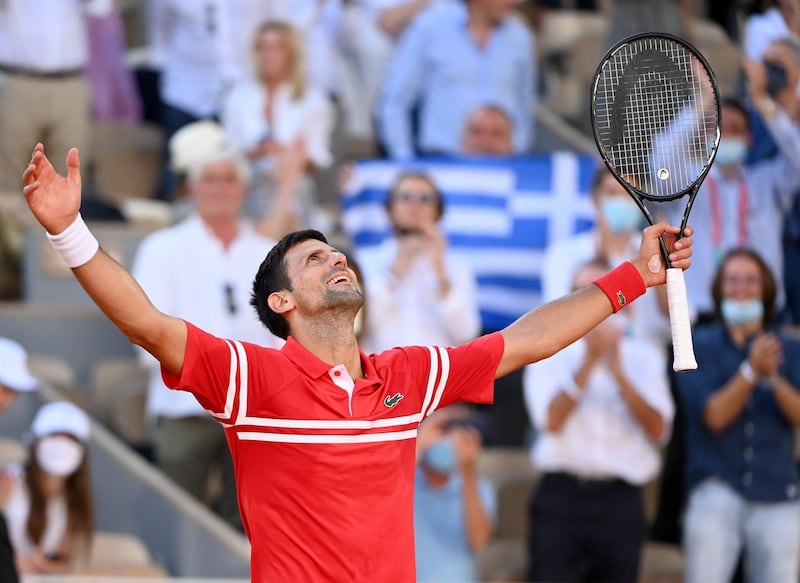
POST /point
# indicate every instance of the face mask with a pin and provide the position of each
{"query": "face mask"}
(58, 455)
(731, 151)
(621, 214)
(742, 312)
(441, 457)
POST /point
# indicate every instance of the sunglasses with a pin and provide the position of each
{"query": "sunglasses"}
(426, 198)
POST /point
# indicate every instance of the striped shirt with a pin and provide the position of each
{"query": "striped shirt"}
(324, 463)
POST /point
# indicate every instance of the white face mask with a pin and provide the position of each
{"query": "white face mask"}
(59, 455)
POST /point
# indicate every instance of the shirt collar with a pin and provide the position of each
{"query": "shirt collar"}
(316, 368)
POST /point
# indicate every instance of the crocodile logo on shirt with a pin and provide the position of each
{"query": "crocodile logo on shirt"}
(391, 401)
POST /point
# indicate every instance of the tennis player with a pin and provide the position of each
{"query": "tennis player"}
(323, 435)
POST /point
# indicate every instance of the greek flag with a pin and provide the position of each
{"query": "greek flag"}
(499, 214)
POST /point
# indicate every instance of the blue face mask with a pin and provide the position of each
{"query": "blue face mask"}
(621, 214)
(441, 457)
(742, 312)
(731, 151)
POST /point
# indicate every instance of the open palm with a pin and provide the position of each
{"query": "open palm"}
(54, 200)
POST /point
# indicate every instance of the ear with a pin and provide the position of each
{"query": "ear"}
(280, 302)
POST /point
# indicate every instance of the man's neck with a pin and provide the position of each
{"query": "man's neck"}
(225, 231)
(332, 342)
(730, 171)
(479, 24)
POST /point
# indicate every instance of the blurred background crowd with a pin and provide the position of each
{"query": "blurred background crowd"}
(445, 146)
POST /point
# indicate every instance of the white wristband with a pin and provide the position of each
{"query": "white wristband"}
(747, 372)
(75, 245)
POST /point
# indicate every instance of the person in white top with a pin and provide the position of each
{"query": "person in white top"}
(217, 251)
(277, 113)
(601, 408)
(418, 292)
(200, 48)
(44, 94)
(780, 21)
(615, 234)
(49, 504)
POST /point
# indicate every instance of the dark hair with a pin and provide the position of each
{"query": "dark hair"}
(78, 495)
(272, 277)
(769, 288)
(736, 103)
(599, 176)
(418, 174)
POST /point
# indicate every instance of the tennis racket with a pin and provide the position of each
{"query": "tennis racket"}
(655, 118)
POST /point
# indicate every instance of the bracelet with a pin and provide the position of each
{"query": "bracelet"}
(75, 245)
(747, 372)
(622, 285)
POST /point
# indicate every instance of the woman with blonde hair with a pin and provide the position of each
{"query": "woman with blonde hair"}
(49, 506)
(277, 115)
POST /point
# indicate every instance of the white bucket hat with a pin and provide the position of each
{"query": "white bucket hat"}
(14, 372)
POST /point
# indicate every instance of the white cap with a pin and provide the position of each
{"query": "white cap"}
(14, 372)
(200, 143)
(61, 417)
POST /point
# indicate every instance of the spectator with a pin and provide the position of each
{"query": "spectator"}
(49, 507)
(200, 49)
(489, 131)
(629, 17)
(44, 95)
(214, 249)
(419, 292)
(742, 405)
(744, 205)
(454, 509)
(451, 59)
(615, 233)
(14, 377)
(780, 21)
(602, 407)
(278, 114)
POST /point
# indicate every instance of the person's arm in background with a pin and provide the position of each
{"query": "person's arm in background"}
(548, 328)
(158, 29)
(477, 520)
(395, 19)
(402, 87)
(55, 202)
(284, 216)
(524, 117)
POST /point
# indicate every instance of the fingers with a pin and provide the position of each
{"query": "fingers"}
(73, 165)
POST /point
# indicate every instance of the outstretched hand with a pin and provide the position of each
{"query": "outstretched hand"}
(54, 200)
(650, 263)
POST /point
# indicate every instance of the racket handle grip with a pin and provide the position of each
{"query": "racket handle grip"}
(679, 321)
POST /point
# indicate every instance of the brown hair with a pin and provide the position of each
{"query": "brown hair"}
(419, 175)
(77, 491)
(297, 77)
(769, 288)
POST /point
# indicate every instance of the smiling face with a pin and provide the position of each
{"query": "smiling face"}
(320, 281)
(218, 191)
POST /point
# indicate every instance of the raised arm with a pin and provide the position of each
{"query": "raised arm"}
(55, 202)
(547, 329)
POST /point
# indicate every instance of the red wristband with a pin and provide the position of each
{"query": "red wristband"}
(622, 285)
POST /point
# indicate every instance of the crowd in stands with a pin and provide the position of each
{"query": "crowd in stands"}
(264, 109)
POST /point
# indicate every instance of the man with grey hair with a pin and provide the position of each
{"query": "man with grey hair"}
(215, 250)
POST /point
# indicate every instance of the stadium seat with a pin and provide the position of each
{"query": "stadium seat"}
(661, 563)
(118, 554)
(119, 389)
(12, 452)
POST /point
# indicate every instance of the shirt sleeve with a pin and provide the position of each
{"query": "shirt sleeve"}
(209, 372)
(467, 371)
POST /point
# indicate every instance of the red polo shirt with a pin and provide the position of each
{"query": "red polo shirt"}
(324, 465)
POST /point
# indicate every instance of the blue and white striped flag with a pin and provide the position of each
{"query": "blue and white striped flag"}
(500, 214)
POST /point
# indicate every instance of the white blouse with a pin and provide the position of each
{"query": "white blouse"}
(16, 511)
(310, 117)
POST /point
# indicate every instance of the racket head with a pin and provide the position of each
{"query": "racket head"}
(655, 113)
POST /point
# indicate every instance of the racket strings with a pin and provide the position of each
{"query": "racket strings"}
(655, 115)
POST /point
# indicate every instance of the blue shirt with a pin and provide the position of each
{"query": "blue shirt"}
(753, 454)
(438, 66)
(440, 533)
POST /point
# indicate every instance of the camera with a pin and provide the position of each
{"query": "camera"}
(777, 78)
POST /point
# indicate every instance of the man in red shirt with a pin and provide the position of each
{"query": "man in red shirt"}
(323, 435)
